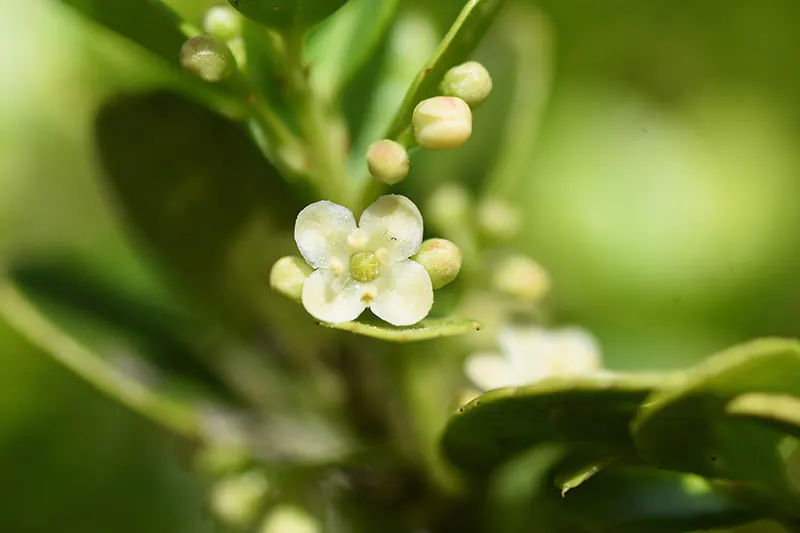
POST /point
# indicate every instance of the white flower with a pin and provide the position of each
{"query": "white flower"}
(530, 354)
(364, 266)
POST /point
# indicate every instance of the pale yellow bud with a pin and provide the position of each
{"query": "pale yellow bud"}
(387, 161)
(469, 81)
(441, 259)
(207, 58)
(442, 123)
(223, 22)
(288, 276)
(521, 277)
(236, 500)
(290, 519)
(499, 219)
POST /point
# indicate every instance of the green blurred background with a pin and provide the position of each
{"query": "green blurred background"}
(661, 195)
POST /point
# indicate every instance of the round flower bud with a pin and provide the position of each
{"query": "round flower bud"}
(441, 259)
(442, 123)
(521, 277)
(290, 519)
(387, 161)
(222, 22)
(469, 81)
(207, 58)
(236, 500)
(499, 219)
(288, 276)
(448, 207)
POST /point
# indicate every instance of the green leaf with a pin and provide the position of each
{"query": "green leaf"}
(429, 328)
(287, 15)
(194, 188)
(341, 46)
(637, 499)
(464, 35)
(101, 358)
(779, 411)
(592, 410)
(149, 23)
(685, 426)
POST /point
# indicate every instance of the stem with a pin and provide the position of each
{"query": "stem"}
(330, 165)
(42, 333)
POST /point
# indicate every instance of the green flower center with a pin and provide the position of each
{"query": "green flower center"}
(364, 266)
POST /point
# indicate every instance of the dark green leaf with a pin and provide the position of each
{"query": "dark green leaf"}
(593, 411)
(195, 189)
(429, 328)
(637, 499)
(458, 44)
(287, 15)
(149, 23)
(685, 427)
(340, 46)
(781, 412)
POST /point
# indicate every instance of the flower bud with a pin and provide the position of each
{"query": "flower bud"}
(521, 277)
(207, 58)
(221, 459)
(222, 22)
(448, 207)
(288, 276)
(387, 161)
(236, 500)
(441, 259)
(442, 123)
(469, 81)
(499, 219)
(290, 519)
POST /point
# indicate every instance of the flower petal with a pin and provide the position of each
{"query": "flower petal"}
(529, 350)
(332, 298)
(578, 352)
(489, 371)
(393, 223)
(406, 294)
(321, 233)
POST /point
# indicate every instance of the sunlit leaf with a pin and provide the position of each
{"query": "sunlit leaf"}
(779, 411)
(685, 426)
(462, 38)
(429, 328)
(593, 411)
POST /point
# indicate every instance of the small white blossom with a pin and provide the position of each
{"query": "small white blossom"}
(530, 354)
(366, 265)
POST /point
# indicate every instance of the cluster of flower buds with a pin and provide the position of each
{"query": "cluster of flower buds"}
(213, 57)
(438, 123)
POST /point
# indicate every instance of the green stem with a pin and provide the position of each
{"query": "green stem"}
(319, 129)
(42, 333)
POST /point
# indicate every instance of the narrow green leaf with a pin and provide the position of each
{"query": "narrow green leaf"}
(287, 15)
(89, 358)
(779, 411)
(195, 189)
(593, 411)
(576, 478)
(341, 45)
(465, 34)
(429, 328)
(685, 426)
(149, 23)
(637, 499)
